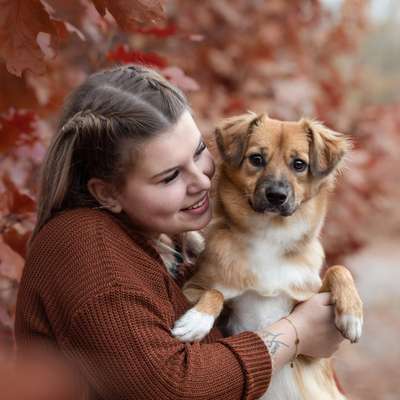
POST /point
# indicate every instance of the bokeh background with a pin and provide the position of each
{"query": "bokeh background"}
(337, 61)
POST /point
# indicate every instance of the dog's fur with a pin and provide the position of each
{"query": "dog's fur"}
(263, 252)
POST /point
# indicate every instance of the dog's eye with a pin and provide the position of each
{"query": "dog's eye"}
(257, 160)
(299, 165)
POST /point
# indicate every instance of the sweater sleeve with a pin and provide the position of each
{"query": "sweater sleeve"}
(123, 344)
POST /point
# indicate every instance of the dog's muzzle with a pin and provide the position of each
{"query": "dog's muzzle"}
(274, 196)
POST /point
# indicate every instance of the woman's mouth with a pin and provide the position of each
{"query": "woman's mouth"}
(199, 207)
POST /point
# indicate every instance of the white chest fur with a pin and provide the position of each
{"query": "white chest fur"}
(278, 273)
(251, 311)
(273, 297)
(280, 281)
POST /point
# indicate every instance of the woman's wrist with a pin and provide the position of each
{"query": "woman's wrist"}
(280, 339)
(297, 341)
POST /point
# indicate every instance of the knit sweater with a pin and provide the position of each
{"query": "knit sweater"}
(99, 292)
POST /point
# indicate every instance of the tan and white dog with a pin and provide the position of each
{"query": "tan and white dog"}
(263, 252)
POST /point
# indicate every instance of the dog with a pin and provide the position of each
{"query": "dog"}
(262, 253)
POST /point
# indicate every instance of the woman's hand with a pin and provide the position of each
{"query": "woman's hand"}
(315, 323)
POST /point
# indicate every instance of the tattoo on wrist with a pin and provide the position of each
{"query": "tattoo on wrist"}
(273, 343)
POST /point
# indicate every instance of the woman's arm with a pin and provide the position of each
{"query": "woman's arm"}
(110, 305)
(125, 349)
(313, 323)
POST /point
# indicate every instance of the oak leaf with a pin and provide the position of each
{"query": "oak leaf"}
(130, 14)
(21, 21)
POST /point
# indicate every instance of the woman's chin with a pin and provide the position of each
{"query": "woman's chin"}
(198, 223)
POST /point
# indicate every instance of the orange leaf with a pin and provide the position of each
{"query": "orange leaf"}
(130, 14)
(71, 11)
(20, 23)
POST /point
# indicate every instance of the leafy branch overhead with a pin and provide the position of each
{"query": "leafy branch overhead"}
(31, 30)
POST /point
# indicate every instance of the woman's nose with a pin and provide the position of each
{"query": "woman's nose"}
(200, 180)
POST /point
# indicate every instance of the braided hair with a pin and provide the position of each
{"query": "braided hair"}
(102, 125)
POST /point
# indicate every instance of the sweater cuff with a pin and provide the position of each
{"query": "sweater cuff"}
(255, 360)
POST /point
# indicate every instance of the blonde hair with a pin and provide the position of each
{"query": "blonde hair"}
(101, 128)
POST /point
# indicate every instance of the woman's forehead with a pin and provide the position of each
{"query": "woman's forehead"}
(171, 148)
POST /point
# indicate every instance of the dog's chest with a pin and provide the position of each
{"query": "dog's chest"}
(272, 295)
(277, 273)
(251, 311)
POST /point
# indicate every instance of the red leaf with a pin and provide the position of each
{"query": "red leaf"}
(16, 126)
(71, 11)
(122, 54)
(20, 23)
(130, 14)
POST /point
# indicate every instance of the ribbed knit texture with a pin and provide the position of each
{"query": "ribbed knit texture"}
(100, 293)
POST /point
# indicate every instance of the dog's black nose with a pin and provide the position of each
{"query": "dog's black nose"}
(276, 196)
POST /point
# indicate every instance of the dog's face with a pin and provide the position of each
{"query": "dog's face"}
(278, 165)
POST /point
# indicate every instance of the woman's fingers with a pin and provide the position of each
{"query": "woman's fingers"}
(324, 299)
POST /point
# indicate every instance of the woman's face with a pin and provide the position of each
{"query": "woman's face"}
(167, 192)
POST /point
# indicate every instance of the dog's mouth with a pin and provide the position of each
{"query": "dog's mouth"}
(284, 210)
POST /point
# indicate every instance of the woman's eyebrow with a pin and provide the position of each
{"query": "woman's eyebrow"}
(177, 166)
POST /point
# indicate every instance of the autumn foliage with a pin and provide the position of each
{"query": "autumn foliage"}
(289, 58)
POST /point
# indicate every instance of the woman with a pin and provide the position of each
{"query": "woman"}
(128, 164)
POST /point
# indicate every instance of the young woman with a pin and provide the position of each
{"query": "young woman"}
(128, 164)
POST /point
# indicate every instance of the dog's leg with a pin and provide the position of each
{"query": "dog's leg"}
(348, 305)
(196, 323)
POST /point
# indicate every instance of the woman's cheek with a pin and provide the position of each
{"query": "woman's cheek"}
(173, 197)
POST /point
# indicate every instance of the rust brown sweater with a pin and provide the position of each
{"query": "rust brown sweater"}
(100, 293)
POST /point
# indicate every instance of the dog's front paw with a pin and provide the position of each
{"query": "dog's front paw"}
(350, 325)
(193, 326)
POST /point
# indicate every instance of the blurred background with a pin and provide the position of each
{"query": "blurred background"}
(334, 60)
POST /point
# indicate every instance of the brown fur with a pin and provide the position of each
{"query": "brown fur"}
(239, 192)
(339, 282)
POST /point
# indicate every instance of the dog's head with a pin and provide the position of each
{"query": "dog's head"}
(277, 165)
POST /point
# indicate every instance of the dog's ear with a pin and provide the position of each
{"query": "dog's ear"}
(232, 136)
(327, 147)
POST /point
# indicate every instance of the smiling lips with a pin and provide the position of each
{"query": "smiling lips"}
(197, 205)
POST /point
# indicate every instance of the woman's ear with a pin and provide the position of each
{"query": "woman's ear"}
(232, 136)
(327, 147)
(105, 194)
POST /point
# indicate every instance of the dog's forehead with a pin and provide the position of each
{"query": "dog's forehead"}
(272, 133)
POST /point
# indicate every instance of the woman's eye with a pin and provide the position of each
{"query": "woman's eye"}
(257, 160)
(299, 165)
(171, 177)
(201, 149)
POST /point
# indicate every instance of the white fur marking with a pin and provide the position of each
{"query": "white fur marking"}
(193, 326)
(350, 326)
